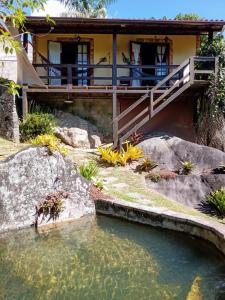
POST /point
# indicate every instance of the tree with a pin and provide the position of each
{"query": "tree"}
(210, 109)
(15, 12)
(89, 11)
(86, 8)
(188, 17)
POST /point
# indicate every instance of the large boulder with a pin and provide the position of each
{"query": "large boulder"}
(191, 190)
(77, 132)
(30, 176)
(169, 151)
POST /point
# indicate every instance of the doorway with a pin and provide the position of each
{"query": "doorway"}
(70, 53)
(150, 54)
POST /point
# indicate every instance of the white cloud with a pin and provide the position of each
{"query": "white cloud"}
(53, 8)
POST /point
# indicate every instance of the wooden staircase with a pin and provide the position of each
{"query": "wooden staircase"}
(195, 71)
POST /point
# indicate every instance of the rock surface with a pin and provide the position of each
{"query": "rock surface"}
(191, 190)
(169, 151)
(29, 176)
(9, 121)
(77, 132)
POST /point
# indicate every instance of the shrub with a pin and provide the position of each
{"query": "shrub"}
(51, 142)
(51, 205)
(154, 177)
(217, 200)
(147, 165)
(187, 167)
(89, 170)
(133, 152)
(113, 157)
(36, 124)
(136, 138)
(108, 155)
(99, 184)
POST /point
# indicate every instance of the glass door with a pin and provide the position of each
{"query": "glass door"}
(82, 59)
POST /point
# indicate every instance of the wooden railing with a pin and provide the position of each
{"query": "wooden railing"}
(87, 74)
(192, 70)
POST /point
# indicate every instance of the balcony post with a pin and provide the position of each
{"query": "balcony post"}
(114, 68)
(24, 102)
(69, 77)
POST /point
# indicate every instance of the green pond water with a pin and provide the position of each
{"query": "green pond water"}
(104, 258)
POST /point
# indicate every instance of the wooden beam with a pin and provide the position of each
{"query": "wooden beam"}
(24, 103)
(85, 91)
(114, 68)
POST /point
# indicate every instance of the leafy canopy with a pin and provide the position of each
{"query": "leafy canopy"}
(188, 17)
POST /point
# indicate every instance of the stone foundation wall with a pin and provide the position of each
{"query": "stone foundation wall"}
(9, 122)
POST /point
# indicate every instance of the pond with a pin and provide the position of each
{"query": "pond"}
(103, 258)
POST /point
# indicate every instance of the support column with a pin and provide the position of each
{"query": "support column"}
(24, 102)
(114, 68)
(25, 41)
(115, 122)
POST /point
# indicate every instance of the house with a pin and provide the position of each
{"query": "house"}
(137, 75)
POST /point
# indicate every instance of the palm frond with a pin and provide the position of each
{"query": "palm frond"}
(82, 5)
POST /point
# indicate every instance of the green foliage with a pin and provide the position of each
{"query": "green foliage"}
(86, 8)
(187, 167)
(89, 170)
(210, 109)
(13, 88)
(216, 90)
(51, 206)
(51, 142)
(188, 17)
(108, 155)
(217, 200)
(154, 177)
(15, 10)
(133, 152)
(36, 124)
(8, 43)
(147, 165)
(99, 184)
(215, 49)
(128, 153)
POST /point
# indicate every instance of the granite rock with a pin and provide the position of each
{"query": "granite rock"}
(29, 176)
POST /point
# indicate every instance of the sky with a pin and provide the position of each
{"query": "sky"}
(210, 9)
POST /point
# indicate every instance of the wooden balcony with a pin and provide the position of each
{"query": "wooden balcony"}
(86, 75)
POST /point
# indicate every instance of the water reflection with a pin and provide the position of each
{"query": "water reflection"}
(106, 259)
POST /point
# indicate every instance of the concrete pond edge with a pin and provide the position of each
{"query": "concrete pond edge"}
(160, 217)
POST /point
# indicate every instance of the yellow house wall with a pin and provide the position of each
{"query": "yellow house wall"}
(182, 48)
